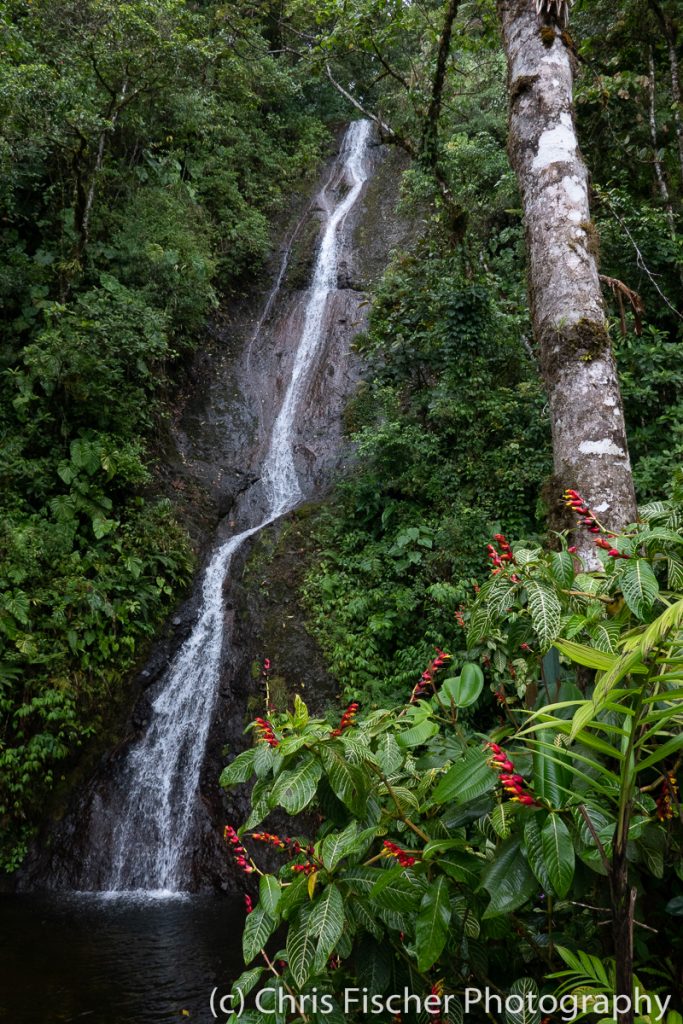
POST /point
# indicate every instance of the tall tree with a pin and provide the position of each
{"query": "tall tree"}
(589, 438)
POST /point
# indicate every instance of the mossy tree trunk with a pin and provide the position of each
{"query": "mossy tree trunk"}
(589, 438)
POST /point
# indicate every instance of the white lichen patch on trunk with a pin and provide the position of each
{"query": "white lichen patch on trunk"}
(589, 438)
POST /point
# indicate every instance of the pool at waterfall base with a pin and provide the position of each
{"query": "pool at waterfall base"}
(100, 959)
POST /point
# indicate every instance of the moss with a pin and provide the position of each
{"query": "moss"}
(592, 239)
(521, 85)
(547, 34)
(564, 344)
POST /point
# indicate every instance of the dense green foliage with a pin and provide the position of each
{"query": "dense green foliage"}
(451, 438)
(442, 859)
(436, 844)
(144, 151)
(451, 429)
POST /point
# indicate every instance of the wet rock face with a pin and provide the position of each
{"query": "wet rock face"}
(213, 460)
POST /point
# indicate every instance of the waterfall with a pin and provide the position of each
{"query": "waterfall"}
(160, 774)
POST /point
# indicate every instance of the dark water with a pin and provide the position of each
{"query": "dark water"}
(97, 961)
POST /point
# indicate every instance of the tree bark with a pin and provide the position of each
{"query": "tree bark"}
(670, 32)
(588, 432)
(659, 170)
(429, 145)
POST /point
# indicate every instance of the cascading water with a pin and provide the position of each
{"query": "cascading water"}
(160, 775)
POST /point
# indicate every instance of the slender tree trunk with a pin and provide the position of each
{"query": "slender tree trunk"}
(589, 438)
(659, 170)
(669, 30)
(429, 145)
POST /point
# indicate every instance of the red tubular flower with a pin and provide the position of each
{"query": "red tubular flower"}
(667, 797)
(304, 869)
(512, 782)
(248, 905)
(266, 733)
(499, 556)
(239, 854)
(270, 839)
(348, 719)
(405, 859)
(587, 519)
(427, 678)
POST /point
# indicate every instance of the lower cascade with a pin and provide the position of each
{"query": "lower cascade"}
(150, 824)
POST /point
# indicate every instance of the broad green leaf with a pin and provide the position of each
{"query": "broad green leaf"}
(657, 631)
(269, 894)
(545, 610)
(259, 804)
(361, 879)
(463, 690)
(533, 848)
(551, 778)
(431, 927)
(465, 916)
(418, 734)
(246, 982)
(265, 757)
(347, 781)
(366, 919)
(527, 990)
(479, 625)
(239, 770)
(258, 928)
(389, 755)
(437, 846)
(336, 846)
(396, 890)
(301, 946)
(295, 788)
(639, 586)
(300, 716)
(558, 854)
(292, 896)
(327, 924)
(674, 573)
(508, 879)
(467, 779)
(562, 568)
(373, 965)
(605, 635)
(462, 867)
(501, 818)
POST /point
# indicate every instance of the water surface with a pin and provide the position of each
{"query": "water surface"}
(115, 961)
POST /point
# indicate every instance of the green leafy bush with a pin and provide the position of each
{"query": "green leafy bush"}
(437, 844)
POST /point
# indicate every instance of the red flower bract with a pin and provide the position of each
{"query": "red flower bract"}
(427, 678)
(405, 859)
(266, 733)
(239, 853)
(347, 720)
(512, 782)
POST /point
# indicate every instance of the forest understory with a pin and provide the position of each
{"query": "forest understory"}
(485, 609)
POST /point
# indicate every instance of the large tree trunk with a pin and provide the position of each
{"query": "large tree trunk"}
(589, 437)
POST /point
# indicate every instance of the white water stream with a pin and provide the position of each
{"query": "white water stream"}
(162, 769)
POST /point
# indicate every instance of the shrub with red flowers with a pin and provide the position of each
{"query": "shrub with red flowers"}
(436, 843)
